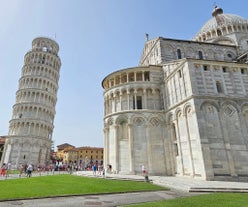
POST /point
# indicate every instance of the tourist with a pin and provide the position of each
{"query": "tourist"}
(143, 169)
(99, 169)
(29, 170)
(103, 172)
(109, 169)
(94, 169)
(3, 170)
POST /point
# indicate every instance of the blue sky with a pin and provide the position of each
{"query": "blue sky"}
(96, 37)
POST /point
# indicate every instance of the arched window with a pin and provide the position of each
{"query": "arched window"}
(219, 33)
(179, 55)
(200, 55)
(219, 87)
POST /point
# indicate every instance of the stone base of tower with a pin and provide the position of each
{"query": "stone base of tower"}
(21, 151)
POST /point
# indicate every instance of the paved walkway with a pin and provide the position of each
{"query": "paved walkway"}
(179, 187)
(107, 200)
(183, 184)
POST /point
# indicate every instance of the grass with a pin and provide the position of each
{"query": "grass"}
(207, 200)
(61, 185)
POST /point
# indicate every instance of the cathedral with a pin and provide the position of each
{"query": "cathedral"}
(183, 111)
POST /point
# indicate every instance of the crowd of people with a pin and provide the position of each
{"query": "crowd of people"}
(28, 169)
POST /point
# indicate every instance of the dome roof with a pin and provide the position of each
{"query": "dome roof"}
(225, 20)
(220, 20)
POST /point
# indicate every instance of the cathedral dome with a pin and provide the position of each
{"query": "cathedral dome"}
(225, 20)
(220, 25)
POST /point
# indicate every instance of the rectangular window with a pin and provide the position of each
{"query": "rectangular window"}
(176, 149)
(179, 55)
(205, 67)
(179, 73)
(243, 71)
(224, 69)
(139, 102)
(139, 76)
(147, 76)
(131, 76)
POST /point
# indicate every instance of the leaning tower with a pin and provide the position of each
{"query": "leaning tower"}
(30, 129)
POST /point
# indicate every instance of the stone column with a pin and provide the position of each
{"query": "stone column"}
(148, 148)
(230, 159)
(145, 98)
(131, 148)
(180, 154)
(39, 130)
(28, 128)
(120, 100)
(120, 80)
(135, 100)
(169, 148)
(228, 151)
(128, 99)
(111, 104)
(208, 164)
(116, 147)
(114, 97)
(106, 147)
(189, 144)
(107, 105)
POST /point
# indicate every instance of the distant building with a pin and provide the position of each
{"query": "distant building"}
(60, 153)
(184, 110)
(31, 127)
(70, 156)
(84, 156)
(90, 155)
(64, 146)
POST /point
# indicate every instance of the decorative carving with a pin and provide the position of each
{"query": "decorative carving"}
(138, 121)
(110, 121)
(154, 122)
(228, 110)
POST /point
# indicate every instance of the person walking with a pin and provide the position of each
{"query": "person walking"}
(94, 167)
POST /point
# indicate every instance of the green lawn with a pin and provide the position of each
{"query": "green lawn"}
(58, 185)
(207, 200)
